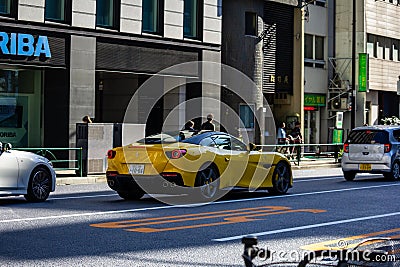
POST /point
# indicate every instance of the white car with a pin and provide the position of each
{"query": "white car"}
(25, 173)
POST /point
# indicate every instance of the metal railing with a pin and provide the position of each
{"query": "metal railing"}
(49, 153)
(295, 152)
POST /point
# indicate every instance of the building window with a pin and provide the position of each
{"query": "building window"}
(192, 18)
(152, 16)
(251, 24)
(314, 51)
(107, 13)
(57, 10)
(8, 8)
(246, 116)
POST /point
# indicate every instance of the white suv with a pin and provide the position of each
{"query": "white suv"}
(372, 149)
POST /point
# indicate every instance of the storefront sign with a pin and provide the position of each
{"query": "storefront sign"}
(363, 72)
(313, 100)
(21, 44)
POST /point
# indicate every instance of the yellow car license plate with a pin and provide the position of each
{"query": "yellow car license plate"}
(365, 167)
(136, 168)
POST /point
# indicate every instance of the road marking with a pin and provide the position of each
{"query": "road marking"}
(79, 197)
(303, 179)
(343, 243)
(227, 217)
(310, 226)
(194, 205)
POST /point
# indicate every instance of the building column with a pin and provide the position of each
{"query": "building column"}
(82, 81)
(211, 86)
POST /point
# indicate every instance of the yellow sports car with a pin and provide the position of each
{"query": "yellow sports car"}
(200, 163)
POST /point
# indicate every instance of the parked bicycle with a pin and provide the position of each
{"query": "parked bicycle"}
(379, 252)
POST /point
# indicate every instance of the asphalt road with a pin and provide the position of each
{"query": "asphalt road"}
(89, 225)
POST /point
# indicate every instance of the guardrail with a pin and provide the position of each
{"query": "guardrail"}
(295, 152)
(49, 153)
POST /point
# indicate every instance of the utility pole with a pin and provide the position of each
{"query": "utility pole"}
(353, 70)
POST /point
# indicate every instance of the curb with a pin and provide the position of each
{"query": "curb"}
(316, 166)
(80, 180)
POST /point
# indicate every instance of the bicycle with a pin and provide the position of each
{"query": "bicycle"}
(379, 252)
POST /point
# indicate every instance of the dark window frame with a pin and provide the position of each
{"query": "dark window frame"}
(67, 12)
(13, 10)
(199, 24)
(249, 28)
(116, 16)
(160, 19)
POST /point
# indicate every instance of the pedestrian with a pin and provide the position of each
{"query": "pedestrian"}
(189, 126)
(281, 132)
(87, 119)
(282, 138)
(296, 137)
(208, 125)
(296, 132)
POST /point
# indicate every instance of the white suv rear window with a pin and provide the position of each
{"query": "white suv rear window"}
(368, 137)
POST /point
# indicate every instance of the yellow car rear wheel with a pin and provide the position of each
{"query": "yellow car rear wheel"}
(135, 194)
(207, 180)
(280, 179)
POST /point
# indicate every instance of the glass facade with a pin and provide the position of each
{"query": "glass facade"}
(150, 16)
(191, 19)
(5, 7)
(55, 10)
(105, 13)
(20, 107)
(246, 116)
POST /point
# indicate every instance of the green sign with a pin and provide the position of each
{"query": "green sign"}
(337, 136)
(363, 72)
(313, 100)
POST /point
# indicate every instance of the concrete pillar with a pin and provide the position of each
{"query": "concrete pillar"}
(82, 81)
(211, 87)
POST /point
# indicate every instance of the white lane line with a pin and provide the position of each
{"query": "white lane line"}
(310, 226)
(304, 179)
(194, 205)
(79, 197)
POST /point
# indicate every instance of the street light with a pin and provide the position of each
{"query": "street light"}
(353, 70)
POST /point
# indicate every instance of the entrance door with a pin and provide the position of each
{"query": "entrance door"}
(311, 127)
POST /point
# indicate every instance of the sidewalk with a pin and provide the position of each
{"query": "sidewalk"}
(69, 177)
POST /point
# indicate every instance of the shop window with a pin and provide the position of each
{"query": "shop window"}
(192, 18)
(152, 16)
(246, 116)
(251, 24)
(20, 106)
(107, 13)
(8, 8)
(58, 10)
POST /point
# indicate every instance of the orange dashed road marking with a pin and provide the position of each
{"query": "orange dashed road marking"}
(352, 240)
(223, 217)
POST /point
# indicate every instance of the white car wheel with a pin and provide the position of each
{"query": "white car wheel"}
(39, 186)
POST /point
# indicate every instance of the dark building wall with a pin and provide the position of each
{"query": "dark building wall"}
(238, 49)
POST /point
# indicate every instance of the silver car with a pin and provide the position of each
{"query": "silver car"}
(25, 173)
(372, 149)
